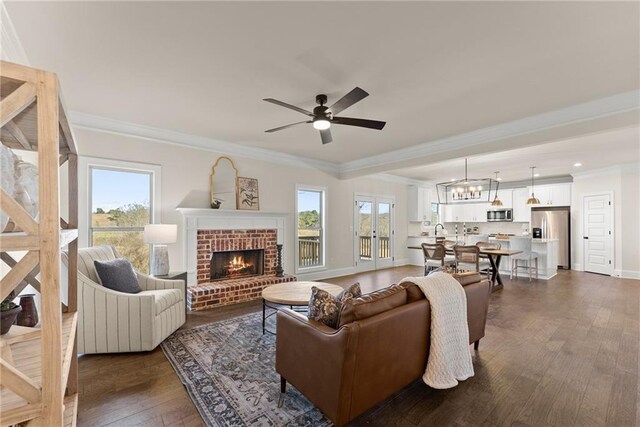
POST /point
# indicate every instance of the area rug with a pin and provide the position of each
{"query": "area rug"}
(228, 368)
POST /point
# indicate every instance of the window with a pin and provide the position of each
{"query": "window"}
(434, 214)
(310, 245)
(120, 206)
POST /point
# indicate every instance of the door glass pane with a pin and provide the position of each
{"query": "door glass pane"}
(384, 230)
(365, 225)
(129, 244)
(309, 228)
(120, 198)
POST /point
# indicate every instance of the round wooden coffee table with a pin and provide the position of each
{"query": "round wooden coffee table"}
(292, 294)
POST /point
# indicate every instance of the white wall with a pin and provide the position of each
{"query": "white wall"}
(185, 183)
(624, 182)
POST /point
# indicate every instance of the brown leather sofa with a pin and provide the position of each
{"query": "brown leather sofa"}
(381, 345)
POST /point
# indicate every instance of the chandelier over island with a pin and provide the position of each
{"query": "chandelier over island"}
(467, 189)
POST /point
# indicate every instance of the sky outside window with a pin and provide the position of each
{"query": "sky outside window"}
(115, 189)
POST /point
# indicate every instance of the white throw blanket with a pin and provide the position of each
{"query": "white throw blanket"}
(449, 356)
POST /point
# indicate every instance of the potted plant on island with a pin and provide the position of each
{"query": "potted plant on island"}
(8, 313)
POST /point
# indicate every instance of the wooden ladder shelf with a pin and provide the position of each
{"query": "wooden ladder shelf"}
(39, 365)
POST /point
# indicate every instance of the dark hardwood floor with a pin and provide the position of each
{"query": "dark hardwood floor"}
(557, 353)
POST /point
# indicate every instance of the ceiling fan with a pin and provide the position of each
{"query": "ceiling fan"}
(322, 116)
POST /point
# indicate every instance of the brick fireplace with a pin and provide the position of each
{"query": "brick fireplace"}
(240, 245)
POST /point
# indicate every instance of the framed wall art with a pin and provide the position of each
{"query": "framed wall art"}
(247, 194)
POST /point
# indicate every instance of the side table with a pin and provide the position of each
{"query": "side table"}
(178, 275)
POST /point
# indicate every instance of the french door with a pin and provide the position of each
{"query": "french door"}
(598, 234)
(373, 232)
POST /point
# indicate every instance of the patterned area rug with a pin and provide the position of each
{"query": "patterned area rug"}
(228, 369)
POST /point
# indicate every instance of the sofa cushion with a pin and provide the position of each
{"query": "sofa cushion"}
(118, 275)
(164, 298)
(371, 304)
(413, 292)
(325, 308)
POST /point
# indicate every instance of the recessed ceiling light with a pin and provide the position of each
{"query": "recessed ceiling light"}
(536, 175)
(577, 164)
(453, 179)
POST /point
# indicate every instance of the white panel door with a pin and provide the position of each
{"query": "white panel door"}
(598, 234)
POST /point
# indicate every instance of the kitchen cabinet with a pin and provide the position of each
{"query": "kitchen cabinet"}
(553, 195)
(465, 212)
(506, 197)
(419, 204)
(521, 211)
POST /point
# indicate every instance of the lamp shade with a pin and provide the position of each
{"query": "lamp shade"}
(160, 233)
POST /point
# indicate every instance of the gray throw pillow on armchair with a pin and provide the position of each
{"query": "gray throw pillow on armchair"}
(118, 275)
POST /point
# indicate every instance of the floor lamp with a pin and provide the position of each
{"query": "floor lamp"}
(159, 235)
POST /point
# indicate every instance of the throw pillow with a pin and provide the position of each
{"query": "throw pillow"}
(118, 275)
(352, 291)
(325, 308)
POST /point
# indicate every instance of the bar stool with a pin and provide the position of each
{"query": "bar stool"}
(435, 256)
(473, 239)
(523, 244)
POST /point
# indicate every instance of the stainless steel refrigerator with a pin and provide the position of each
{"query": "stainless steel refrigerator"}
(555, 224)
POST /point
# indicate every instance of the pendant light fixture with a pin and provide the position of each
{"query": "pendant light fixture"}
(496, 200)
(467, 189)
(533, 200)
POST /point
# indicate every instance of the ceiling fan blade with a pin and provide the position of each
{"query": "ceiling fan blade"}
(286, 126)
(348, 100)
(363, 123)
(326, 136)
(289, 106)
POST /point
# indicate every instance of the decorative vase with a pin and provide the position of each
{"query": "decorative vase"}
(8, 318)
(29, 314)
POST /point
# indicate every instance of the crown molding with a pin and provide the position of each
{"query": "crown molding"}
(11, 49)
(400, 179)
(119, 127)
(604, 107)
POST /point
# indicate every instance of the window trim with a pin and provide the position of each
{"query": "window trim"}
(86, 163)
(323, 229)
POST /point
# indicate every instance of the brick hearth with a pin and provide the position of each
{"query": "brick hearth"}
(207, 294)
(233, 291)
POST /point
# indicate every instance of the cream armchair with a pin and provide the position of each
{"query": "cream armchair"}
(117, 322)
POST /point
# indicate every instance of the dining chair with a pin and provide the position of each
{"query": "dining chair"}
(435, 256)
(468, 258)
(527, 255)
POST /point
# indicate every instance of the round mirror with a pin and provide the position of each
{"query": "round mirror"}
(223, 183)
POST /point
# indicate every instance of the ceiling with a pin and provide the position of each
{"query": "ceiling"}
(433, 69)
(596, 151)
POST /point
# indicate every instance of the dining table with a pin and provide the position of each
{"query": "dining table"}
(494, 256)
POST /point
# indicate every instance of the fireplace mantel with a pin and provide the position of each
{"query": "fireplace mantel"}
(195, 219)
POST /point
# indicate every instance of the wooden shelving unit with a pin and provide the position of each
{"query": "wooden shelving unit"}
(39, 366)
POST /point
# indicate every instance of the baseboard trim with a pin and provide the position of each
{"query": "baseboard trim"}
(326, 274)
(627, 274)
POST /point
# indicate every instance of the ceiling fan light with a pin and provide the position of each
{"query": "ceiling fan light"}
(321, 124)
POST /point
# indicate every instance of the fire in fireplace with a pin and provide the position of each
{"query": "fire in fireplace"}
(234, 264)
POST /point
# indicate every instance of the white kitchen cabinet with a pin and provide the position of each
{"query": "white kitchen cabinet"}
(553, 195)
(415, 203)
(419, 204)
(521, 211)
(506, 197)
(465, 212)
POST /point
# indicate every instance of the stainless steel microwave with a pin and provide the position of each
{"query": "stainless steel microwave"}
(498, 215)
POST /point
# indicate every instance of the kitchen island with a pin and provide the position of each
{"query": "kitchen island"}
(547, 250)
